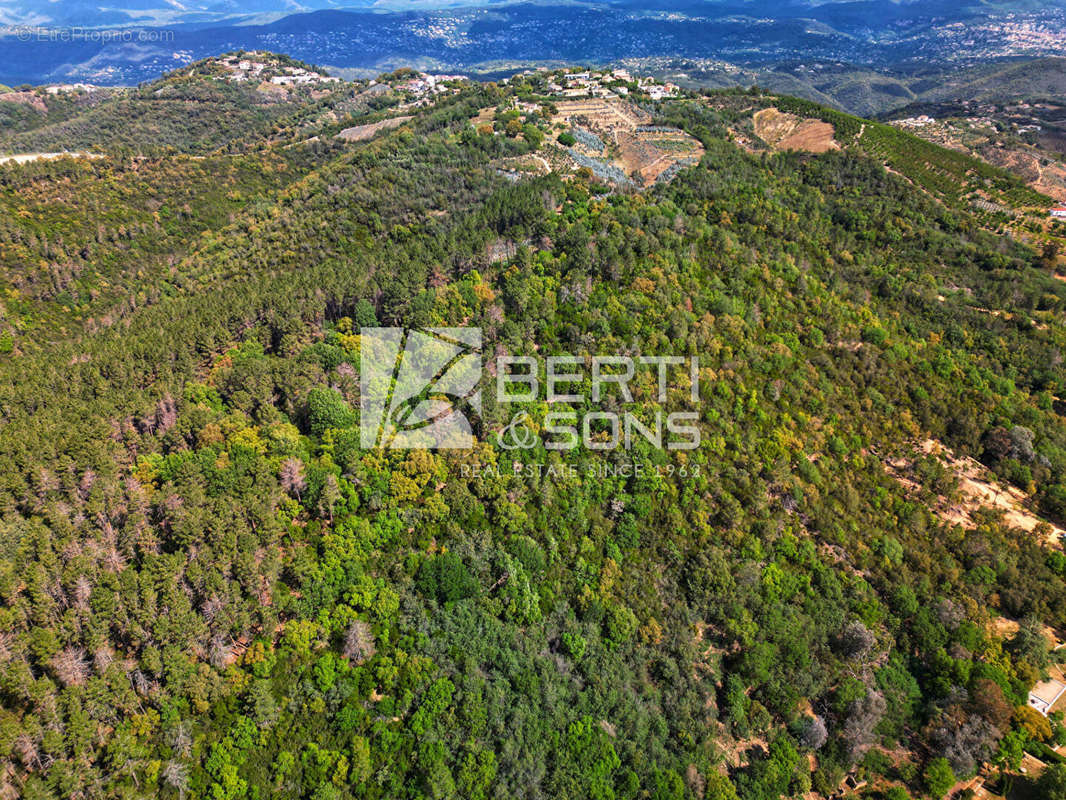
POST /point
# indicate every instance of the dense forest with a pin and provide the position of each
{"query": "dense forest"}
(210, 589)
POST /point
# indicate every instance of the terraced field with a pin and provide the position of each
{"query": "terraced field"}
(639, 150)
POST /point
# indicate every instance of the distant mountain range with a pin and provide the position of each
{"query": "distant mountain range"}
(146, 38)
(175, 12)
(169, 12)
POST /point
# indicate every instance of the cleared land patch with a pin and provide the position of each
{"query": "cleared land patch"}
(359, 133)
(621, 136)
(784, 131)
(977, 488)
(25, 158)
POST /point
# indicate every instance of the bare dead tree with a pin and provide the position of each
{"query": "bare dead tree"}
(103, 657)
(71, 666)
(292, 476)
(176, 775)
(359, 642)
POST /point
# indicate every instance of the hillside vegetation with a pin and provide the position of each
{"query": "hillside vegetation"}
(210, 589)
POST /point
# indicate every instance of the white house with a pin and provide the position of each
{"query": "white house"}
(1044, 695)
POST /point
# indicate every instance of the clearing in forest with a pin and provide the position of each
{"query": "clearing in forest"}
(360, 133)
(977, 488)
(788, 132)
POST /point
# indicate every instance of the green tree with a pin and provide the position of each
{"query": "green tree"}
(938, 777)
(1051, 785)
(327, 409)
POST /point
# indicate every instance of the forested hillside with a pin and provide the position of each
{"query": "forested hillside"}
(210, 589)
